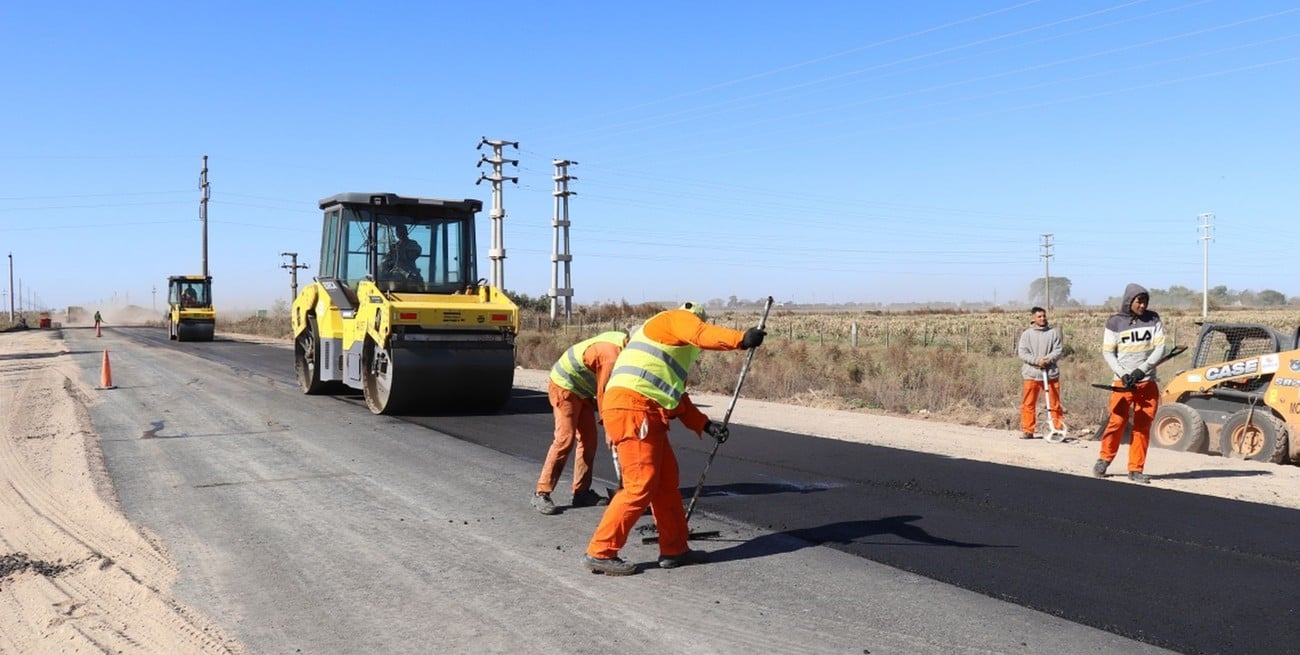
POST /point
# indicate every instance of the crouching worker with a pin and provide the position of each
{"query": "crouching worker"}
(647, 388)
(576, 388)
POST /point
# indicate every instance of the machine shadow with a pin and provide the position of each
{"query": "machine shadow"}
(522, 401)
(1205, 474)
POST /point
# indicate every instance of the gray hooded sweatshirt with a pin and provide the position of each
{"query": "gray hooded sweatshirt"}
(1040, 343)
(1132, 341)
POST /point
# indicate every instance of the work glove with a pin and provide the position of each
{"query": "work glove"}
(718, 431)
(753, 338)
(1133, 377)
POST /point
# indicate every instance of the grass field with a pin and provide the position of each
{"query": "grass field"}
(950, 366)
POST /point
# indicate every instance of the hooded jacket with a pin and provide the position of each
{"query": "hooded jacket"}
(1040, 343)
(1132, 341)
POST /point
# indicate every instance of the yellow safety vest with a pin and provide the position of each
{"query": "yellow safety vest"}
(571, 373)
(654, 370)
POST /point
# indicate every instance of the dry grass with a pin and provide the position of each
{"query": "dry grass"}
(954, 367)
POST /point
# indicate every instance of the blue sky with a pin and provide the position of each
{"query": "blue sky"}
(815, 151)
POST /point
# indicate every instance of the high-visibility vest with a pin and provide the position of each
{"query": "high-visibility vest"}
(571, 373)
(654, 370)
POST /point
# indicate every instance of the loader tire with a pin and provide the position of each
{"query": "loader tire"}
(1179, 427)
(1264, 440)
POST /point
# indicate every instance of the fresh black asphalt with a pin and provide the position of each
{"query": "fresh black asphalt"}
(1190, 573)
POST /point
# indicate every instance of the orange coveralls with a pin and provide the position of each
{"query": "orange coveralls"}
(575, 416)
(1029, 404)
(637, 429)
(1144, 399)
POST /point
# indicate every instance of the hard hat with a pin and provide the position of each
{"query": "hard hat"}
(695, 308)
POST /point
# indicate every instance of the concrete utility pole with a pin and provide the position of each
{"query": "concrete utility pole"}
(1205, 268)
(497, 253)
(560, 231)
(11, 287)
(293, 267)
(205, 192)
(1047, 270)
(153, 298)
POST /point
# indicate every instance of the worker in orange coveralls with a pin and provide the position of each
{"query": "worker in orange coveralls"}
(576, 388)
(647, 388)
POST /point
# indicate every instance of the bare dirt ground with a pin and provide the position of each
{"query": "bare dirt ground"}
(76, 576)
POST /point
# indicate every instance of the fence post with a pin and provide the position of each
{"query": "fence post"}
(853, 334)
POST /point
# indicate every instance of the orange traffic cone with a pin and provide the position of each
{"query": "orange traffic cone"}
(97, 329)
(106, 374)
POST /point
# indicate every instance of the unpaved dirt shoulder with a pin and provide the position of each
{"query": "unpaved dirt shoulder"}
(1236, 479)
(75, 575)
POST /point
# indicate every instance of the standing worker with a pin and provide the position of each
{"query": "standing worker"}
(647, 388)
(1132, 345)
(576, 389)
(97, 320)
(1040, 348)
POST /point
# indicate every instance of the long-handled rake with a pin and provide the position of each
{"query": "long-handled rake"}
(726, 418)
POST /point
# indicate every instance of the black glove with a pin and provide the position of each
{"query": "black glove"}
(1133, 377)
(753, 338)
(718, 431)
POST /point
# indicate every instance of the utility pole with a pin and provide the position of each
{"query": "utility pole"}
(1205, 226)
(497, 253)
(153, 298)
(205, 192)
(293, 267)
(11, 287)
(560, 231)
(1047, 269)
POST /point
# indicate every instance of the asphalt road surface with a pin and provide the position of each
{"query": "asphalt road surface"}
(307, 523)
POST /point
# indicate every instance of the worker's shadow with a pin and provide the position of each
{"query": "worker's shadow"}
(843, 532)
(753, 489)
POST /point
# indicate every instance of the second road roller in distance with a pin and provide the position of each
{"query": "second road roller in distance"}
(397, 310)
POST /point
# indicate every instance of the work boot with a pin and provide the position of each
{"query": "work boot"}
(543, 504)
(686, 558)
(1099, 469)
(1139, 476)
(608, 566)
(1026, 435)
(588, 498)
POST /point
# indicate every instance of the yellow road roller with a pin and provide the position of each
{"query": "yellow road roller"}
(190, 315)
(397, 309)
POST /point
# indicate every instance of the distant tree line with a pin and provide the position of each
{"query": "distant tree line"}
(1175, 297)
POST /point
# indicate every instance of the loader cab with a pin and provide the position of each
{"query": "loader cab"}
(402, 244)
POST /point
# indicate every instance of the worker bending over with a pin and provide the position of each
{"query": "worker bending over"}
(646, 389)
(576, 389)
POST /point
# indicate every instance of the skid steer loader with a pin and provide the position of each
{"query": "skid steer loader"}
(1240, 398)
(397, 311)
(190, 315)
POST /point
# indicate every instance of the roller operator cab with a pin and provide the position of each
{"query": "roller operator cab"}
(397, 309)
(190, 316)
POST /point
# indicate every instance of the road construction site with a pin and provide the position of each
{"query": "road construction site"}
(308, 523)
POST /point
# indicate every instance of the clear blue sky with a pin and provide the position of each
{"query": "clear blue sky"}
(813, 151)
